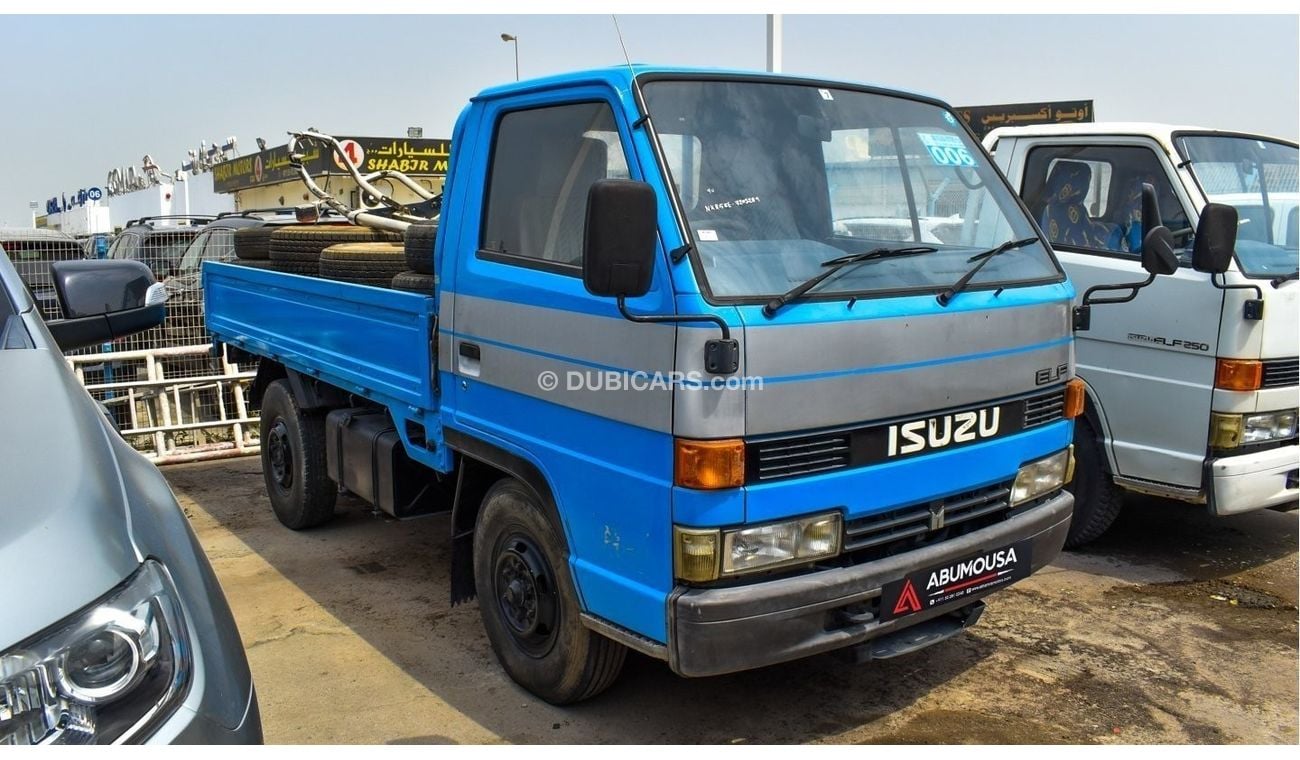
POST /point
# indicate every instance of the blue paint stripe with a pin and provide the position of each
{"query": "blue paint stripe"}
(784, 378)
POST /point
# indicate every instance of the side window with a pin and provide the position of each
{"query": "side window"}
(543, 163)
(1090, 197)
(220, 246)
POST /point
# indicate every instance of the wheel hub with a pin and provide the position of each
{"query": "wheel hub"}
(526, 595)
(280, 455)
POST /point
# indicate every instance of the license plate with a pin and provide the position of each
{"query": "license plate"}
(952, 581)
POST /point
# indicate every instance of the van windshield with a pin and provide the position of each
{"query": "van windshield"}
(1258, 177)
(776, 179)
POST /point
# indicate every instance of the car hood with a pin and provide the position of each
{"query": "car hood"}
(65, 533)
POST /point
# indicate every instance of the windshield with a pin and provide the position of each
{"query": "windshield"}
(1258, 177)
(775, 179)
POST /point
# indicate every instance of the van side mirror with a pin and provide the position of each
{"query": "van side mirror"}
(618, 246)
(1150, 207)
(1216, 237)
(104, 299)
(1158, 255)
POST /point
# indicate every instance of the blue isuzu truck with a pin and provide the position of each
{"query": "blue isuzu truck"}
(725, 368)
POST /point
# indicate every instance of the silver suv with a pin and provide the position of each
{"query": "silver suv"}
(113, 628)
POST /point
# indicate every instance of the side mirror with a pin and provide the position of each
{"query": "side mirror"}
(618, 244)
(1216, 237)
(104, 299)
(1158, 255)
(1150, 207)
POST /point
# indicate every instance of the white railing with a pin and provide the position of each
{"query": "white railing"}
(175, 404)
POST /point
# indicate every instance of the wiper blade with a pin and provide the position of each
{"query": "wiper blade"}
(836, 264)
(1277, 281)
(947, 295)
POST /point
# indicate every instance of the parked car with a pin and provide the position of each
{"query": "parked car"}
(31, 251)
(158, 241)
(1192, 387)
(113, 628)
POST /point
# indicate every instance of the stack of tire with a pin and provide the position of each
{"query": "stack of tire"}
(417, 252)
(373, 264)
(253, 247)
(297, 249)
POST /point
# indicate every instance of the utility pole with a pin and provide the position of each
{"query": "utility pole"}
(773, 42)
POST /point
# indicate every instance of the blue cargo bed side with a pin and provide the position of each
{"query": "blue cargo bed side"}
(370, 341)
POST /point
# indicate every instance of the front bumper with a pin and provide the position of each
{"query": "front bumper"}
(1249, 482)
(724, 630)
(188, 726)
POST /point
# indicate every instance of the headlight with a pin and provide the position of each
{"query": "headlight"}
(705, 555)
(102, 675)
(1043, 476)
(1229, 431)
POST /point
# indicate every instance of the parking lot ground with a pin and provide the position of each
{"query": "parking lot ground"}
(1175, 627)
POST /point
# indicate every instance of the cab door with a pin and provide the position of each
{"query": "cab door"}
(1149, 363)
(551, 374)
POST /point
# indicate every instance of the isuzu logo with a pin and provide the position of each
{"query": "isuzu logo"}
(937, 432)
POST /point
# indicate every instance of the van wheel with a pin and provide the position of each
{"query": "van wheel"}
(529, 605)
(1097, 500)
(293, 460)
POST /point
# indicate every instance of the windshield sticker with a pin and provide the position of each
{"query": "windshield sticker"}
(826, 95)
(946, 150)
(949, 118)
(708, 235)
(711, 207)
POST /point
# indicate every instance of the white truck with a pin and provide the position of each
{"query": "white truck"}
(1191, 387)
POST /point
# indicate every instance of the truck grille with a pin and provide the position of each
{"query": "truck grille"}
(779, 458)
(913, 522)
(1280, 373)
(1043, 409)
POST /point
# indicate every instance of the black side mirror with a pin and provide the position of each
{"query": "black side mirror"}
(1216, 237)
(618, 246)
(1158, 255)
(104, 299)
(1150, 207)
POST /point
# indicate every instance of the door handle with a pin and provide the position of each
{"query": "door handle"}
(469, 350)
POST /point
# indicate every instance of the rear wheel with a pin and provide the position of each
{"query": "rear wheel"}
(529, 605)
(293, 460)
(1097, 500)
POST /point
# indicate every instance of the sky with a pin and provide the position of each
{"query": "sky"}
(85, 94)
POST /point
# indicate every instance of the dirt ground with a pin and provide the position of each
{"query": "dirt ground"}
(1175, 627)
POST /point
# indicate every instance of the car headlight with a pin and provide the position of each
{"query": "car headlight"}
(104, 674)
(707, 554)
(1043, 476)
(1228, 431)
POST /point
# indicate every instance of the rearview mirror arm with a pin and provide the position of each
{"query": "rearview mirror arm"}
(721, 356)
(1083, 312)
(1253, 310)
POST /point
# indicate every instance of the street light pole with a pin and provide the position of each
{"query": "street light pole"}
(512, 38)
(773, 42)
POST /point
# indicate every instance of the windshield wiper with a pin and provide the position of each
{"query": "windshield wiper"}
(1277, 281)
(983, 258)
(836, 264)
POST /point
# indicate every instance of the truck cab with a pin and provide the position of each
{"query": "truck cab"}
(1192, 386)
(726, 368)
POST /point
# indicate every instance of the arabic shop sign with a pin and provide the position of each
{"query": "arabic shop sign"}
(65, 201)
(417, 157)
(985, 119)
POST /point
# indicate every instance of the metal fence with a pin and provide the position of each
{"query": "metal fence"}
(171, 398)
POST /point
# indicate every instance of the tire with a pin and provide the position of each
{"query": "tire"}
(293, 460)
(365, 263)
(519, 561)
(253, 243)
(415, 282)
(1097, 500)
(418, 247)
(255, 263)
(303, 243)
(307, 268)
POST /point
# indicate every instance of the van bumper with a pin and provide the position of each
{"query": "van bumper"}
(1249, 482)
(724, 630)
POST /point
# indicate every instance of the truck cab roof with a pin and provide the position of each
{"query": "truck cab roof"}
(1164, 133)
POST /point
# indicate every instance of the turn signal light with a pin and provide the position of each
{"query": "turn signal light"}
(1238, 374)
(1074, 392)
(709, 465)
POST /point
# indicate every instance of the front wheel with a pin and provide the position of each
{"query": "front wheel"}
(293, 460)
(529, 605)
(1097, 500)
